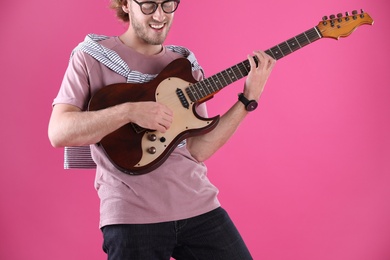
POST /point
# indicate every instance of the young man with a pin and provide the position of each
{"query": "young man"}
(172, 211)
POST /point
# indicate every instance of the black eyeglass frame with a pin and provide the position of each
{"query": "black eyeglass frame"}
(156, 6)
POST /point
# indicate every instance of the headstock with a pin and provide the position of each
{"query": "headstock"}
(342, 26)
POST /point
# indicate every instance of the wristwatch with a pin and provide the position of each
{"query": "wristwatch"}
(250, 105)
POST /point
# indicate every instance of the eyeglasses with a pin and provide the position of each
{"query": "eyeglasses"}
(150, 7)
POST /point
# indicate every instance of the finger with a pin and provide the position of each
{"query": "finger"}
(262, 59)
(163, 125)
(266, 60)
(252, 62)
(165, 110)
(271, 63)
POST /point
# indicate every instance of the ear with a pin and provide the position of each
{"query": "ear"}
(125, 6)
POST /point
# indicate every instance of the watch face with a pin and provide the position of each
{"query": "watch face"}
(252, 105)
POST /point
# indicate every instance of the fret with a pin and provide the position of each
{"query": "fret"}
(302, 39)
(197, 93)
(317, 33)
(297, 40)
(280, 51)
(288, 45)
(277, 53)
(202, 89)
(269, 52)
(206, 87)
(223, 80)
(307, 37)
(244, 69)
(313, 34)
(293, 44)
(235, 71)
(195, 90)
(192, 93)
(246, 65)
(285, 49)
(224, 77)
(228, 76)
(216, 82)
(199, 88)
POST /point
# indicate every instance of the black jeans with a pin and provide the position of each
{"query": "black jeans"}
(210, 236)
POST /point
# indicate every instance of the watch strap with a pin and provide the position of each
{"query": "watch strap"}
(250, 105)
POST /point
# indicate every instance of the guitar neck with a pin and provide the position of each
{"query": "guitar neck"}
(209, 86)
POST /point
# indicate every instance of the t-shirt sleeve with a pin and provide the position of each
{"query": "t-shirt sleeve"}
(75, 88)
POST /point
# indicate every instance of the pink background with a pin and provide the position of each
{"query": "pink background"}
(307, 176)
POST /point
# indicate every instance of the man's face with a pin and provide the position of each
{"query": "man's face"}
(153, 28)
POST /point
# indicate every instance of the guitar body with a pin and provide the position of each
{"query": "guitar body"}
(135, 150)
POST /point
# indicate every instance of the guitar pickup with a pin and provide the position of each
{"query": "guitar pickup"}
(182, 98)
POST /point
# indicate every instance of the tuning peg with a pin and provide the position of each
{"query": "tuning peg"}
(361, 13)
(332, 17)
(339, 16)
(346, 16)
(324, 19)
(354, 13)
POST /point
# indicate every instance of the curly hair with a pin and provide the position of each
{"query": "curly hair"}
(117, 6)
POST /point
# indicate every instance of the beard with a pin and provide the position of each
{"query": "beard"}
(145, 33)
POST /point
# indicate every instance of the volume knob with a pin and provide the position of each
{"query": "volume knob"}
(152, 137)
(152, 150)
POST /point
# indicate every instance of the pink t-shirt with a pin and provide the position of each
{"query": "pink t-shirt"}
(178, 189)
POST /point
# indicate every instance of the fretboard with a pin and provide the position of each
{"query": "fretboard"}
(215, 83)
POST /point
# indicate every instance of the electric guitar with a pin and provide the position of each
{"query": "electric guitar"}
(135, 150)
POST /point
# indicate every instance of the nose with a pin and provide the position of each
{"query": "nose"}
(159, 14)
